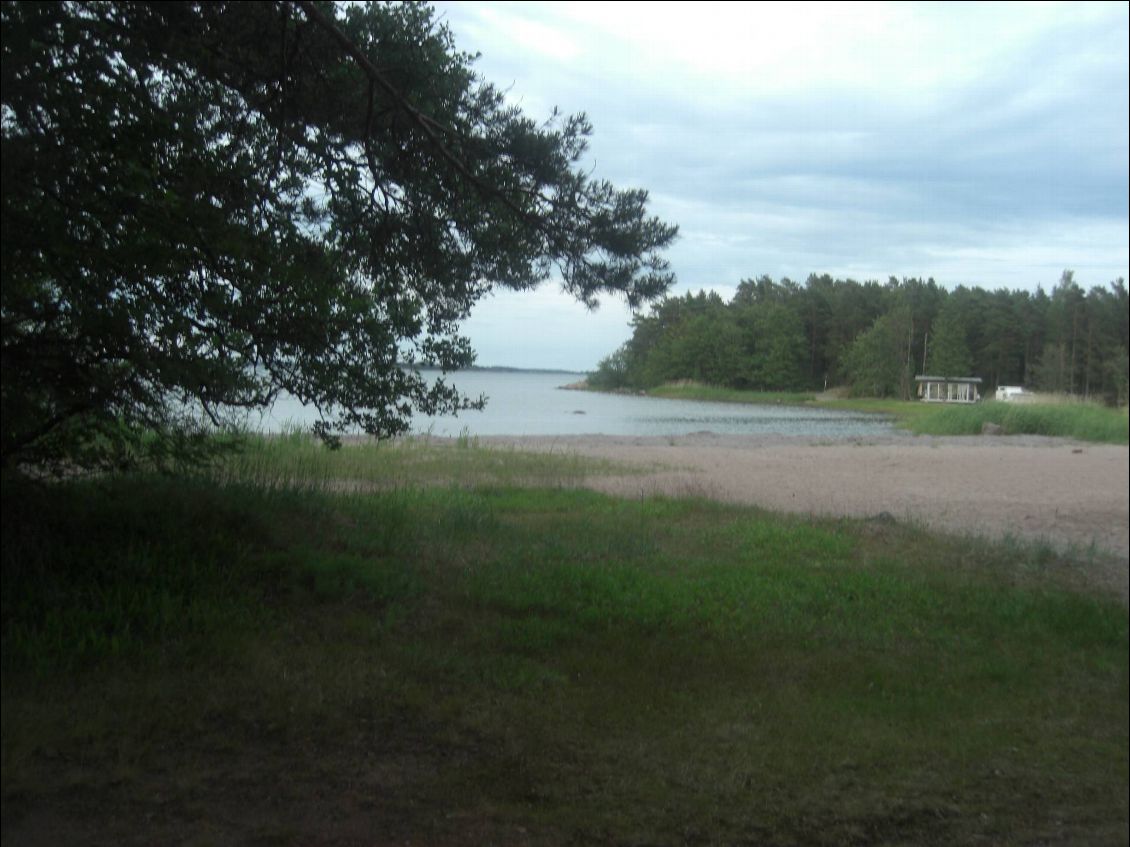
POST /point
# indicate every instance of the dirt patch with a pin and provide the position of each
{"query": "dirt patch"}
(1064, 493)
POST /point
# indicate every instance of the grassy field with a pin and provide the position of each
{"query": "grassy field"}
(264, 655)
(1081, 421)
(1084, 422)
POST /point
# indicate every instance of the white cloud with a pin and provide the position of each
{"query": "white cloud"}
(534, 36)
(977, 143)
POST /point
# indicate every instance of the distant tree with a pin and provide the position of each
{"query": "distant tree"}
(1051, 369)
(856, 307)
(775, 346)
(1058, 368)
(764, 290)
(1106, 318)
(645, 352)
(700, 342)
(948, 353)
(1005, 329)
(1116, 377)
(205, 204)
(876, 362)
(819, 323)
(876, 336)
(612, 372)
(923, 299)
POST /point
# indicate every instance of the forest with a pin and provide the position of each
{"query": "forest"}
(874, 338)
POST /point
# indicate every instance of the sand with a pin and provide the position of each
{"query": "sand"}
(1064, 493)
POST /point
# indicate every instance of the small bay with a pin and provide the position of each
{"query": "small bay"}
(535, 403)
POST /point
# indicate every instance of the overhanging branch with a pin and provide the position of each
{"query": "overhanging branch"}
(425, 123)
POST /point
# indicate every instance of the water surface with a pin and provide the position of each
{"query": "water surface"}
(533, 403)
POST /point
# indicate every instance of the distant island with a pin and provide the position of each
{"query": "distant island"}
(428, 366)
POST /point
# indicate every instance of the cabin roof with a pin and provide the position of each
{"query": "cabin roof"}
(971, 380)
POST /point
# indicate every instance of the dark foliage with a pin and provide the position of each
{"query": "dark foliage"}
(875, 337)
(205, 204)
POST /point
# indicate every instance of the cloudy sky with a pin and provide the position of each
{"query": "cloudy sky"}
(978, 144)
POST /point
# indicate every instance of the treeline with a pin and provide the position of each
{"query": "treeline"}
(875, 337)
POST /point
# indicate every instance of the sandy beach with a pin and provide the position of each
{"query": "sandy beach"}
(1066, 493)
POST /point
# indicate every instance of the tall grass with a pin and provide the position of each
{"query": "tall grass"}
(1085, 422)
(297, 460)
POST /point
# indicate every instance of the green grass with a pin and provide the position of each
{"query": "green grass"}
(1082, 421)
(297, 460)
(468, 662)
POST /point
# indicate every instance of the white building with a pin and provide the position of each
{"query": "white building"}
(949, 389)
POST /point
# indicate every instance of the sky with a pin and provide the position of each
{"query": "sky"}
(978, 144)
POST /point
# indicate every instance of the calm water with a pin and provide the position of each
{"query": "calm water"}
(520, 403)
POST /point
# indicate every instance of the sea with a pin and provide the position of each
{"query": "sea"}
(536, 403)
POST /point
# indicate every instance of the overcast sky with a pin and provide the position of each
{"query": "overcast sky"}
(978, 144)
